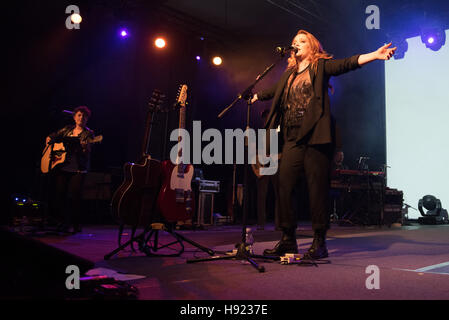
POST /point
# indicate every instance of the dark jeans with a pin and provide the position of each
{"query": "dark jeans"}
(312, 163)
(65, 198)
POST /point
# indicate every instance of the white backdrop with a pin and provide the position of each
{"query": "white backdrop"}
(417, 123)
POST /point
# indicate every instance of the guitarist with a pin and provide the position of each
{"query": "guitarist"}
(68, 177)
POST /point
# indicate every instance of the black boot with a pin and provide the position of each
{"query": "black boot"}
(318, 250)
(286, 245)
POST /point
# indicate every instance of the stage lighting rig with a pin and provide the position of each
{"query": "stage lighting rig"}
(435, 213)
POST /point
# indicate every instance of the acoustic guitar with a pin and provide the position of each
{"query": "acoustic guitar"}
(176, 201)
(55, 154)
(134, 202)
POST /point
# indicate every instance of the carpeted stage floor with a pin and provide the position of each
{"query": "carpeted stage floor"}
(413, 262)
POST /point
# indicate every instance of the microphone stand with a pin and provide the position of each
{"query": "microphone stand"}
(242, 248)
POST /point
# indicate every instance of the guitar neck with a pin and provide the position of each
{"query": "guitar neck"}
(153, 106)
(96, 139)
(146, 137)
(182, 117)
(182, 125)
(181, 101)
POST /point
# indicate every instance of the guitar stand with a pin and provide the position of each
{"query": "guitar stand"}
(149, 243)
(242, 254)
(334, 218)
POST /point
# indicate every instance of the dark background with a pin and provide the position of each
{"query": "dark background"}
(50, 68)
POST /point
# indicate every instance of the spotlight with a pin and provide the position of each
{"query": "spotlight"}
(217, 61)
(433, 38)
(76, 18)
(123, 33)
(198, 58)
(160, 43)
(435, 213)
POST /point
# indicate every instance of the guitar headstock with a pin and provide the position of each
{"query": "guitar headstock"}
(156, 100)
(182, 96)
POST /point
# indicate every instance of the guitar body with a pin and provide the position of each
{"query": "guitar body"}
(133, 203)
(176, 201)
(56, 154)
(52, 157)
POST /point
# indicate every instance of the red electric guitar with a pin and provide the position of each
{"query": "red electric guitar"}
(176, 200)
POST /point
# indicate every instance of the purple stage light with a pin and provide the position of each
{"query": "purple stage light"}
(198, 58)
(433, 38)
(123, 33)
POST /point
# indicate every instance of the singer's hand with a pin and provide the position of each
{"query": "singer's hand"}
(254, 99)
(47, 141)
(385, 52)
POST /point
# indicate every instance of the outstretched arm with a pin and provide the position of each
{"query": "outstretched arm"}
(383, 53)
(265, 94)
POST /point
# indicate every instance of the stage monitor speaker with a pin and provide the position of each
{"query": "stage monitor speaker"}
(33, 269)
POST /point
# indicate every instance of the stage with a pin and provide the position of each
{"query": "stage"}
(412, 261)
(105, 97)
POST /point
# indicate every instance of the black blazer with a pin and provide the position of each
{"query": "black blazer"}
(318, 126)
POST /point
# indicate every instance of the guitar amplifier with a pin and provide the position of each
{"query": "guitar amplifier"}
(207, 190)
(209, 186)
(206, 208)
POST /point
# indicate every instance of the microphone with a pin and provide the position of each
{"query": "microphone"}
(283, 50)
(67, 112)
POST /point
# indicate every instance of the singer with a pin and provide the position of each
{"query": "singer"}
(302, 110)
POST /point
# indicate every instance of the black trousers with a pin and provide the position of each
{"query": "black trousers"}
(263, 197)
(312, 163)
(65, 197)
